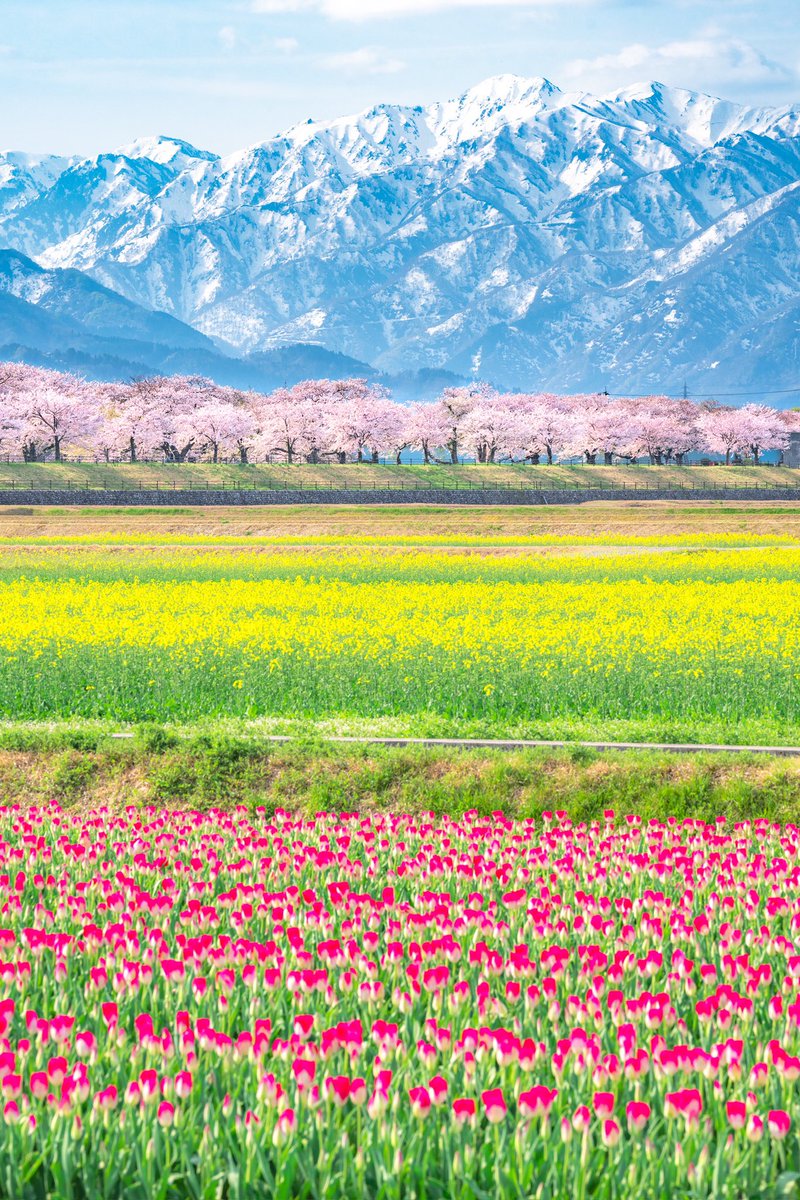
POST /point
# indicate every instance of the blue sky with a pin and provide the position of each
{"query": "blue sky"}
(78, 76)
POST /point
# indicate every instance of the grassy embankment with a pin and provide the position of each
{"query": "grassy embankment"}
(83, 769)
(353, 475)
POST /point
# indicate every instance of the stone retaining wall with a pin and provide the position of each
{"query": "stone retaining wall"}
(473, 496)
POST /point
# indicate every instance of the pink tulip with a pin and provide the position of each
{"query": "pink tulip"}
(106, 1099)
(165, 1113)
(464, 1110)
(537, 1101)
(755, 1128)
(611, 1132)
(603, 1104)
(737, 1114)
(778, 1123)
(494, 1105)
(581, 1118)
(420, 1101)
(638, 1114)
(338, 1088)
(304, 1070)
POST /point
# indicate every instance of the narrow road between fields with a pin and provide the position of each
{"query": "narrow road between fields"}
(510, 744)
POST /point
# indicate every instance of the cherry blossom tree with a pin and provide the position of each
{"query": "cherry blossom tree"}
(455, 404)
(288, 422)
(597, 427)
(426, 428)
(763, 429)
(173, 398)
(45, 413)
(543, 424)
(723, 431)
(216, 425)
(362, 424)
(491, 429)
(50, 411)
(662, 428)
(128, 421)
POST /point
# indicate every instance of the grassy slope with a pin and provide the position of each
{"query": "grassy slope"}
(100, 475)
(80, 768)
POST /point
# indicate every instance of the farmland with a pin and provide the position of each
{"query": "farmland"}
(607, 523)
(239, 968)
(695, 642)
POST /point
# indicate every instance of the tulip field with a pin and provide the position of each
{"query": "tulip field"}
(686, 639)
(243, 1004)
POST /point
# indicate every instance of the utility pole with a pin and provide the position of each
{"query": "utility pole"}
(685, 391)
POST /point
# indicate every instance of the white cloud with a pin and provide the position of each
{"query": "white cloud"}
(369, 60)
(227, 37)
(718, 59)
(286, 45)
(362, 10)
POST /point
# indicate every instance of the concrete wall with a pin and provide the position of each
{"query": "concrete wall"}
(791, 455)
(461, 496)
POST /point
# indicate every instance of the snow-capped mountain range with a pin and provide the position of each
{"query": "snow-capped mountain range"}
(536, 237)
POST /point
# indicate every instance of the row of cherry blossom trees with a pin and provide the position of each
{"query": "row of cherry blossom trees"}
(47, 415)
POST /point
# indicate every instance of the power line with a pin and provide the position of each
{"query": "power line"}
(686, 394)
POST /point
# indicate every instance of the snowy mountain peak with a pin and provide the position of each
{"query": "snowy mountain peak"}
(507, 90)
(169, 151)
(561, 239)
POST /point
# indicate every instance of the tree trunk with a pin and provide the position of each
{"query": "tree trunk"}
(375, 456)
(549, 456)
(215, 455)
(242, 454)
(132, 449)
(608, 457)
(535, 459)
(591, 459)
(57, 448)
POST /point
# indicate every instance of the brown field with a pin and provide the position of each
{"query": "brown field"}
(615, 519)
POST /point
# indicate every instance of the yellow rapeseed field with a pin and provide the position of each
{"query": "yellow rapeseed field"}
(180, 633)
